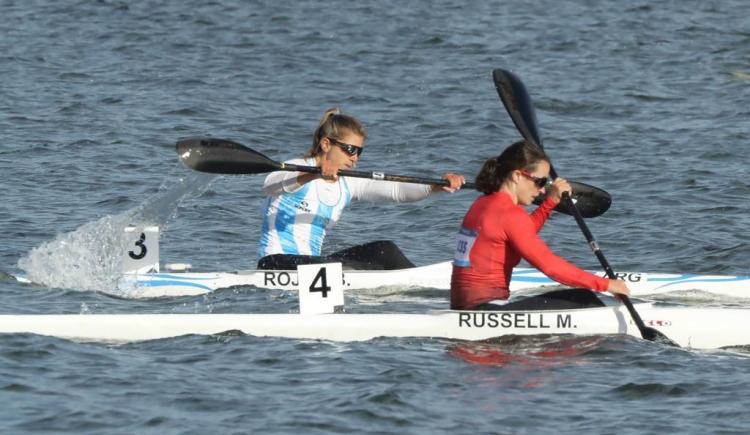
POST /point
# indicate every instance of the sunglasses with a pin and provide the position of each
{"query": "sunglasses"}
(350, 149)
(539, 182)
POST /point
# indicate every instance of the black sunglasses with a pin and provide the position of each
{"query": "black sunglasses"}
(346, 147)
(539, 182)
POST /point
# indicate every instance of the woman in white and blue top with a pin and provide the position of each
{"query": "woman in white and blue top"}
(301, 207)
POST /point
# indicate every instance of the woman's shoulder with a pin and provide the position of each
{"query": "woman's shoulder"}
(499, 200)
(309, 161)
(501, 206)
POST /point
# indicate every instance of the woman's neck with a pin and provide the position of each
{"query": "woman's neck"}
(510, 189)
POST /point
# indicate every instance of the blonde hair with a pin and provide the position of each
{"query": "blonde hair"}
(333, 124)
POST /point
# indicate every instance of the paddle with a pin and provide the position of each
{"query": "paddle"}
(518, 104)
(222, 156)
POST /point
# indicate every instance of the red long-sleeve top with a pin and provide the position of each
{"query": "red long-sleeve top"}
(495, 235)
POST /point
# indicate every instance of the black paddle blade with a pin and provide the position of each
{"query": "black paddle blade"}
(652, 334)
(647, 332)
(222, 156)
(589, 200)
(518, 104)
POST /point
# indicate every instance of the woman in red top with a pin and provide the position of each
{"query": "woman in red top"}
(497, 232)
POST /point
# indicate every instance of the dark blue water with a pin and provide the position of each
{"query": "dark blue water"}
(647, 100)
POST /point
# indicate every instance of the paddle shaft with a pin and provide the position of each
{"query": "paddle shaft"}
(372, 175)
(600, 256)
(585, 229)
(387, 177)
(223, 156)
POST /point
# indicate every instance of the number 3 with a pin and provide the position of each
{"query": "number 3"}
(141, 245)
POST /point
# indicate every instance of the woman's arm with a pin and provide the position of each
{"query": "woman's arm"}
(540, 215)
(374, 190)
(279, 182)
(523, 237)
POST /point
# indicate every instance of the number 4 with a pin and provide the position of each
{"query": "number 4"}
(320, 290)
(320, 278)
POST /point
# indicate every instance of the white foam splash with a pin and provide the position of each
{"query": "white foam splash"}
(90, 257)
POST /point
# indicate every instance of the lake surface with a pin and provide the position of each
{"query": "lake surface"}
(646, 100)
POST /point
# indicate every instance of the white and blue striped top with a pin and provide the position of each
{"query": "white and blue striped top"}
(296, 217)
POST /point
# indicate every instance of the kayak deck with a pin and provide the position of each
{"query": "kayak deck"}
(434, 276)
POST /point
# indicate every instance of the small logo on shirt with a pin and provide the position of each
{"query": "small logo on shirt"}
(303, 206)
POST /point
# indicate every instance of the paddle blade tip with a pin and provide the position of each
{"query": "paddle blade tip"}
(500, 74)
(654, 335)
(589, 200)
(517, 102)
(222, 156)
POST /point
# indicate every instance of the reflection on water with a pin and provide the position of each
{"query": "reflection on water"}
(527, 351)
(515, 369)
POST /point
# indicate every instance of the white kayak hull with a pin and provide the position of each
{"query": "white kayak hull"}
(434, 276)
(141, 277)
(700, 328)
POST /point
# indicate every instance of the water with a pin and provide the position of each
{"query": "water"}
(647, 100)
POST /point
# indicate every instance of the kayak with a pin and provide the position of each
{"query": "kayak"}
(434, 276)
(144, 277)
(698, 328)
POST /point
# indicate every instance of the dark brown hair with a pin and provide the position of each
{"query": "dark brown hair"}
(333, 123)
(520, 155)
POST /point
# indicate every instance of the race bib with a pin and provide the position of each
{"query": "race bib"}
(464, 242)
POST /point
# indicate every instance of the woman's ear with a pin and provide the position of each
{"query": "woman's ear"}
(325, 145)
(514, 176)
